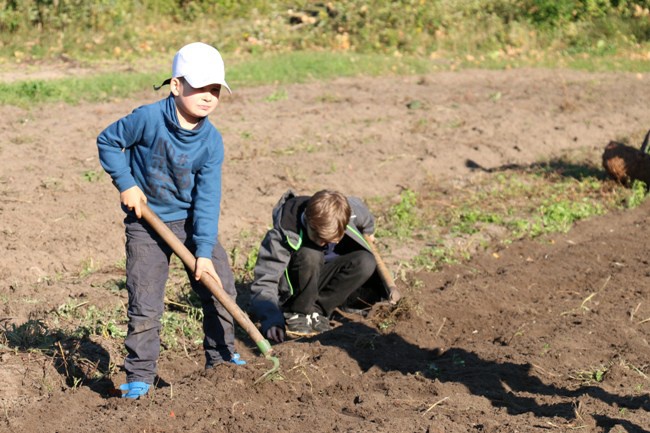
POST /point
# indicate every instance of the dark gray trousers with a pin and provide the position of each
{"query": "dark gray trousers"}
(321, 287)
(147, 269)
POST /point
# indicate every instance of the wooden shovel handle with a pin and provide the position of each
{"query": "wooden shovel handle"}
(208, 280)
(386, 278)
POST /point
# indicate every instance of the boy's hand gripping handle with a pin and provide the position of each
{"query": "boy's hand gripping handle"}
(394, 295)
(211, 283)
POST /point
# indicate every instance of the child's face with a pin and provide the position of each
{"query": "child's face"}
(194, 104)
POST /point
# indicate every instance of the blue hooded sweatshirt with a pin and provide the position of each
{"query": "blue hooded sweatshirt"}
(179, 170)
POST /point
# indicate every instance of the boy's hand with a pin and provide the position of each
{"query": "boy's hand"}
(275, 334)
(203, 264)
(132, 198)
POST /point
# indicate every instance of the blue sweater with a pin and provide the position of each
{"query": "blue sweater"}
(177, 169)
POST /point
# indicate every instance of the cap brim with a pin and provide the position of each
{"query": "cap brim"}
(197, 83)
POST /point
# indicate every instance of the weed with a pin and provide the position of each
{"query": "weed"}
(33, 334)
(110, 330)
(294, 149)
(386, 324)
(468, 220)
(92, 175)
(433, 257)
(176, 326)
(329, 98)
(244, 272)
(115, 285)
(87, 267)
(545, 349)
(278, 95)
(638, 193)
(420, 126)
(121, 264)
(588, 377)
(387, 317)
(559, 216)
(506, 205)
(69, 309)
(401, 219)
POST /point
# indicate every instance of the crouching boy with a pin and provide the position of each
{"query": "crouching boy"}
(312, 261)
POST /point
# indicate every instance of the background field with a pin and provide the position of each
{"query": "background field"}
(473, 130)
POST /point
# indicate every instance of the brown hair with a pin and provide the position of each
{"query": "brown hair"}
(327, 213)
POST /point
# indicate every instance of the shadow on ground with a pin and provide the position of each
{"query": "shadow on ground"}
(507, 385)
(79, 360)
(558, 166)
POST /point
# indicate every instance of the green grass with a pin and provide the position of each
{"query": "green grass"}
(103, 87)
(281, 68)
(401, 218)
(497, 209)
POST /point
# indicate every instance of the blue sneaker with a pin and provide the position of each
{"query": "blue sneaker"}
(134, 390)
(236, 359)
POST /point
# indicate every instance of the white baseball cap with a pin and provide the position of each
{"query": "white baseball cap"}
(200, 64)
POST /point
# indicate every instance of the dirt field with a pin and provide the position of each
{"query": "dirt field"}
(543, 336)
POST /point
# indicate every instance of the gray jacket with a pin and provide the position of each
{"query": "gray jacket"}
(271, 287)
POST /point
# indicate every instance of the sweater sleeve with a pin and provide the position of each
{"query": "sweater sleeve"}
(272, 260)
(111, 144)
(207, 201)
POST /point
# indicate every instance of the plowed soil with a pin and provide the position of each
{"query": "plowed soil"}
(547, 335)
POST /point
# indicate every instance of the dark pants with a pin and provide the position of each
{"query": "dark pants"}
(147, 269)
(321, 287)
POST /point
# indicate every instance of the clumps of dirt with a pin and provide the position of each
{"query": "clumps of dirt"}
(384, 315)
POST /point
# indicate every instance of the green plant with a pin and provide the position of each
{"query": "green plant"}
(402, 218)
(588, 377)
(638, 193)
(69, 309)
(545, 349)
(559, 216)
(121, 263)
(87, 267)
(92, 175)
(500, 207)
(244, 271)
(468, 220)
(434, 257)
(278, 95)
(177, 326)
(33, 334)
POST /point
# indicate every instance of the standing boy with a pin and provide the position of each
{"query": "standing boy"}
(312, 261)
(169, 155)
